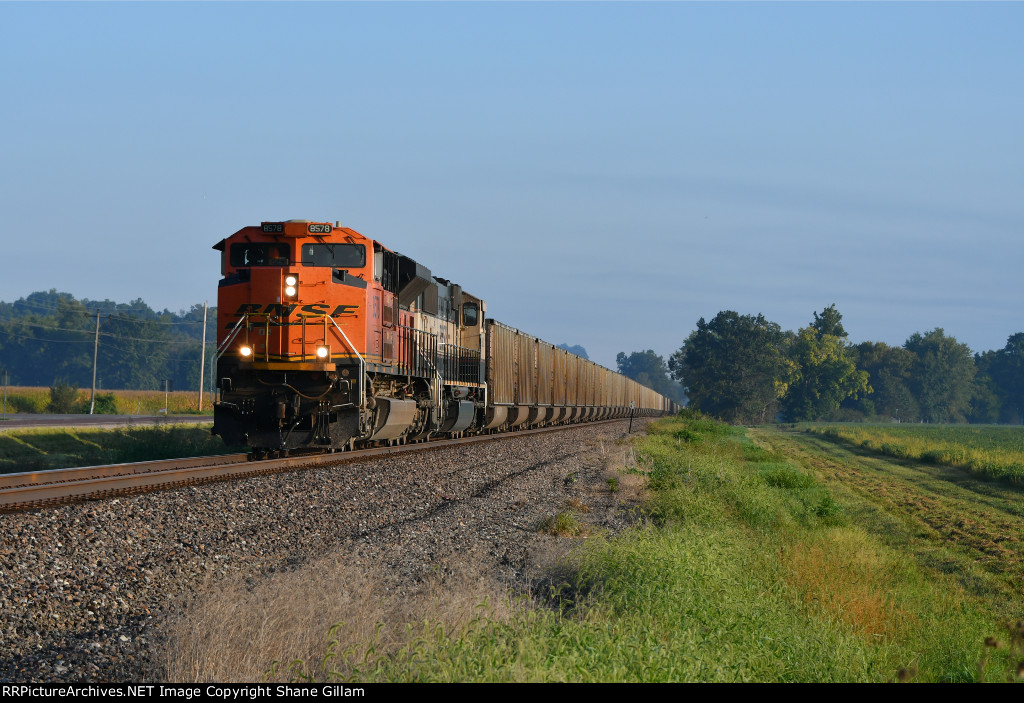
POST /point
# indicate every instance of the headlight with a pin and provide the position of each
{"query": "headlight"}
(289, 291)
(322, 352)
(290, 280)
(246, 351)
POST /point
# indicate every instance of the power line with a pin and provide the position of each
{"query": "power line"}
(142, 339)
(48, 327)
(154, 322)
(102, 334)
(53, 341)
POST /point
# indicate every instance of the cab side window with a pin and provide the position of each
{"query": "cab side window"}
(470, 315)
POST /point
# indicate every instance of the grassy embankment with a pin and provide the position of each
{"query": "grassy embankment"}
(994, 452)
(753, 564)
(30, 399)
(40, 449)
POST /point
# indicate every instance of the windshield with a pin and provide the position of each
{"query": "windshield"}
(334, 255)
(259, 254)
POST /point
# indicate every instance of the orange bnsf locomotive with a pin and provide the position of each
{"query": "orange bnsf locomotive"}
(328, 340)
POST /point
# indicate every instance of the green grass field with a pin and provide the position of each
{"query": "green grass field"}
(41, 449)
(995, 452)
(762, 558)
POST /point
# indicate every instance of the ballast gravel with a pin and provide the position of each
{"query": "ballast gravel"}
(86, 588)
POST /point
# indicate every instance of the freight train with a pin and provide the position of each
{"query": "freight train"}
(328, 340)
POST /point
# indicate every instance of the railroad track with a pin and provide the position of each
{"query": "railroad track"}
(41, 489)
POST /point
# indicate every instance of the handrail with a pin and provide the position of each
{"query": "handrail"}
(222, 349)
(231, 337)
(362, 362)
(461, 364)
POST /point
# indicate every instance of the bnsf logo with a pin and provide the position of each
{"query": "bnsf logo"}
(279, 310)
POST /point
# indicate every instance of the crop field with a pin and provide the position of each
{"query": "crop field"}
(36, 400)
(990, 451)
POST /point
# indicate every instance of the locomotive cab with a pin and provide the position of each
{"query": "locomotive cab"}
(291, 319)
(325, 339)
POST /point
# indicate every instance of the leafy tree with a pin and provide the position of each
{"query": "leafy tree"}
(985, 403)
(1005, 370)
(47, 334)
(830, 322)
(134, 352)
(63, 398)
(106, 404)
(895, 399)
(43, 336)
(734, 367)
(825, 371)
(943, 376)
(649, 369)
(889, 370)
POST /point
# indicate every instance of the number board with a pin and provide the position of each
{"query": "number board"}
(319, 229)
(273, 228)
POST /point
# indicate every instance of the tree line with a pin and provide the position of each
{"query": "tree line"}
(649, 369)
(740, 368)
(48, 338)
(747, 369)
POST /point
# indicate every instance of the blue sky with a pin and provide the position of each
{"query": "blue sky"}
(602, 174)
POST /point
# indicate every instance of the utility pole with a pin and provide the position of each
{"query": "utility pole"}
(7, 379)
(95, 358)
(202, 360)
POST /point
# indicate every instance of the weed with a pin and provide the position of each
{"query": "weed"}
(62, 398)
(829, 510)
(564, 524)
(577, 505)
(785, 476)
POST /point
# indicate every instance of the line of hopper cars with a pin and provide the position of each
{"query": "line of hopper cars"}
(329, 340)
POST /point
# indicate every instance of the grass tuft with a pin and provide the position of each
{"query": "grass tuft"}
(564, 524)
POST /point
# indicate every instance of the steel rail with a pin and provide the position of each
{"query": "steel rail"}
(84, 473)
(40, 489)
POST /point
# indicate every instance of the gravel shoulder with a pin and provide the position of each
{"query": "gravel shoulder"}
(87, 591)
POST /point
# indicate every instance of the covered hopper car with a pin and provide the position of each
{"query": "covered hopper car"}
(329, 340)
